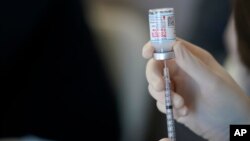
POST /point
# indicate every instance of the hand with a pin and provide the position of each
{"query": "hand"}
(205, 97)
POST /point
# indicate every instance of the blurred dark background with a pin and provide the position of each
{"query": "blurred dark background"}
(71, 65)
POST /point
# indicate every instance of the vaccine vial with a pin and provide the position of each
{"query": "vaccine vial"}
(162, 32)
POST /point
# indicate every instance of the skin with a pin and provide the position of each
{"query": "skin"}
(203, 93)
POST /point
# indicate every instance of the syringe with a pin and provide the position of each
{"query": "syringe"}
(169, 106)
(162, 38)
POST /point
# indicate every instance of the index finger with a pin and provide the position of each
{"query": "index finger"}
(147, 50)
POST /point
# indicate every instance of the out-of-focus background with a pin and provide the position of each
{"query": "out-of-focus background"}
(121, 28)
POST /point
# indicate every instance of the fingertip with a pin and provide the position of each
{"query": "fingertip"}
(147, 50)
(183, 111)
(161, 107)
(178, 101)
(181, 114)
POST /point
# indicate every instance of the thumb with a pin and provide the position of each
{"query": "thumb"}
(191, 64)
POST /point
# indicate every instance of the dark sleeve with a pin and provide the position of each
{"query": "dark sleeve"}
(52, 80)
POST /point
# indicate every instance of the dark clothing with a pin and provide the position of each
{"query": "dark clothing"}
(52, 81)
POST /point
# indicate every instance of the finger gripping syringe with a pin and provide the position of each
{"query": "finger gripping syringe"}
(162, 38)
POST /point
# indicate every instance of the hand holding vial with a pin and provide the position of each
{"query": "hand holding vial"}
(205, 97)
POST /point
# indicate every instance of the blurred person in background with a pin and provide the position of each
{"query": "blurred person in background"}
(204, 94)
(53, 83)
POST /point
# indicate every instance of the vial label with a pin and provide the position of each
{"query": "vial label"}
(162, 25)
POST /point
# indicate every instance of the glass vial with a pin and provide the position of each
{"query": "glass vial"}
(162, 32)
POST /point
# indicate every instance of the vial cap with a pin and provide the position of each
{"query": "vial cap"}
(164, 55)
